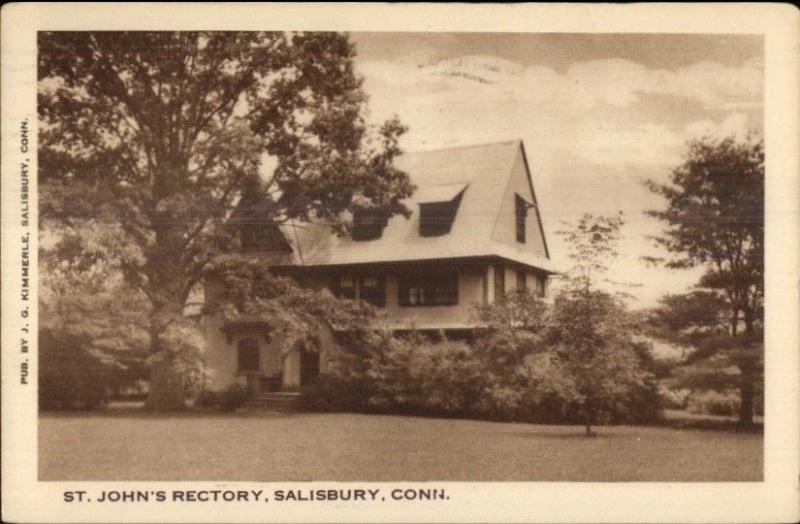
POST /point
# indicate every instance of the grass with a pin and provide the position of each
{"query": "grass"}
(132, 445)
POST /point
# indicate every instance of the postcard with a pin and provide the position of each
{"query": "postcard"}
(400, 263)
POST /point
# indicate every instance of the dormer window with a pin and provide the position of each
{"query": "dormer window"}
(438, 206)
(368, 223)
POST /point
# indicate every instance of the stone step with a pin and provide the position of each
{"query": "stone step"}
(279, 401)
(278, 394)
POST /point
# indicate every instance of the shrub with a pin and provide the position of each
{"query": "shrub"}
(714, 403)
(71, 376)
(229, 399)
(333, 393)
(206, 399)
(641, 406)
(233, 397)
(672, 398)
(417, 376)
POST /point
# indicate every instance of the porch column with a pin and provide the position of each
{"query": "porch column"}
(488, 287)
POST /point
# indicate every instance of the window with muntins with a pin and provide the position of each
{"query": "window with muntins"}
(370, 289)
(439, 289)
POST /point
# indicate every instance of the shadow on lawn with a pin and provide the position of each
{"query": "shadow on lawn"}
(578, 433)
(727, 426)
(141, 413)
(672, 420)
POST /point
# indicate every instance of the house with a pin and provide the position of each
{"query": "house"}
(474, 234)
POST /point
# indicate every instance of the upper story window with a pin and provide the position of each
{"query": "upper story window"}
(521, 214)
(439, 289)
(368, 223)
(438, 206)
(371, 289)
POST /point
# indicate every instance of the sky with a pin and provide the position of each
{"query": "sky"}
(598, 115)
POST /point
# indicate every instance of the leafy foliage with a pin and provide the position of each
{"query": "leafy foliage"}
(415, 376)
(714, 403)
(87, 299)
(715, 218)
(92, 332)
(74, 373)
(590, 330)
(248, 289)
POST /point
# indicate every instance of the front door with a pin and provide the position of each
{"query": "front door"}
(248, 362)
(309, 367)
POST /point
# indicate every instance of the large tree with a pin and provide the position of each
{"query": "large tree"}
(154, 134)
(715, 219)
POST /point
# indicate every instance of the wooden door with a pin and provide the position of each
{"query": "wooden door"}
(309, 367)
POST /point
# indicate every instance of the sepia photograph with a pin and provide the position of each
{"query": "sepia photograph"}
(405, 263)
(423, 256)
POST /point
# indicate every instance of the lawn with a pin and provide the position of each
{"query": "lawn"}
(348, 447)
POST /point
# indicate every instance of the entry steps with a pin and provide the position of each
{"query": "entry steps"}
(276, 401)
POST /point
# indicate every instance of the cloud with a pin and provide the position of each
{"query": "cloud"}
(614, 82)
(587, 109)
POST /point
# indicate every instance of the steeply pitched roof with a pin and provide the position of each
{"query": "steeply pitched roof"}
(484, 170)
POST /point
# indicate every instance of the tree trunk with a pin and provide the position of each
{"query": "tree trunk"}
(747, 394)
(166, 382)
(588, 418)
(166, 386)
(747, 379)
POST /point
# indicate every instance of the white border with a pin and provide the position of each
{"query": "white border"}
(774, 500)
